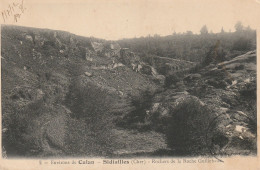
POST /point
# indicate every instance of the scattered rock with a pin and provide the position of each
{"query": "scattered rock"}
(29, 38)
(88, 74)
(89, 58)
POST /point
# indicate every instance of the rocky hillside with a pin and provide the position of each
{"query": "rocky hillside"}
(217, 103)
(67, 95)
(60, 92)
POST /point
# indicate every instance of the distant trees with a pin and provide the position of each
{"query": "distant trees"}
(216, 54)
(193, 47)
(242, 41)
(248, 28)
(242, 44)
(222, 30)
(189, 33)
(239, 27)
(204, 30)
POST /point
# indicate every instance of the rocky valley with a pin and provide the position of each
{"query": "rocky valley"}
(65, 95)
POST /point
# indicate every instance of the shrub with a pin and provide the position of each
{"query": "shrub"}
(216, 54)
(91, 120)
(242, 44)
(23, 137)
(248, 93)
(141, 104)
(187, 127)
(136, 118)
(171, 80)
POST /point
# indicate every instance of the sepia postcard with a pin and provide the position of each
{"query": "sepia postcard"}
(129, 84)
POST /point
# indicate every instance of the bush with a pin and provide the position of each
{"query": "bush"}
(187, 127)
(23, 136)
(248, 93)
(242, 44)
(91, 120)
(171, 80)
(136, 118)
(216, 54)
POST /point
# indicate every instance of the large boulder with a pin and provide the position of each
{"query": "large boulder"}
(97, 47)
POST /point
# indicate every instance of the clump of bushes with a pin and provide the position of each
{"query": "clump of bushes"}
(216, 54)
(171, 80)
(187, 127)
(174, 77)
(249, 95)
(136, 118)
(91, 119)
(23, 131)
(242, 44)
(87, 101)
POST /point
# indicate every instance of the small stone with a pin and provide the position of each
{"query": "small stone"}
(88, 74)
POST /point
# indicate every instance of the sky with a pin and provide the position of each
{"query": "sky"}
(117, 19)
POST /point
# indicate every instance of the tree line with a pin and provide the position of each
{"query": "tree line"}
(194, 47)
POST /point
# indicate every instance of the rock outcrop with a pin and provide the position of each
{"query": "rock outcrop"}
(60, 92)
(228, 91)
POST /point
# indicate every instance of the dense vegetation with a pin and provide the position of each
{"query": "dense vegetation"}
(193, 47)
